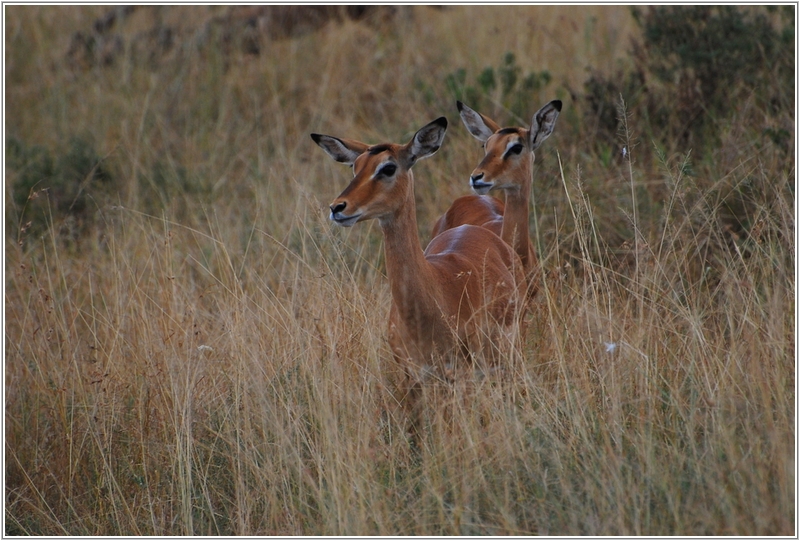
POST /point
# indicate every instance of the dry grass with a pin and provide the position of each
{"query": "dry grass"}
(207, 355)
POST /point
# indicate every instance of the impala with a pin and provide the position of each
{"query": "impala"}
(507, 165)
(453, 302)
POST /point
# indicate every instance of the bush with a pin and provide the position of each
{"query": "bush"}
(502, 85)
(692, 68)
(60, 187)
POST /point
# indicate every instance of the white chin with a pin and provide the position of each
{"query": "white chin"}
(347, 221)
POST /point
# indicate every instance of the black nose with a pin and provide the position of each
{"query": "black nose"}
(338, 207)
(476, 178)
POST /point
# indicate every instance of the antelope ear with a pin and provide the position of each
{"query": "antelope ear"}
(481, 127)
(543, 123)
(341, 150)
(426, 141)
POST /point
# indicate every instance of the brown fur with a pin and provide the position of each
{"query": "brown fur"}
(507, 171)
(451, 303)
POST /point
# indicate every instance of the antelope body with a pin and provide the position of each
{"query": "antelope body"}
(451, 302)
(507, 166)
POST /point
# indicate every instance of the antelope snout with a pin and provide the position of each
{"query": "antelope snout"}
(337, 208)
(338, 215)
(478, 185)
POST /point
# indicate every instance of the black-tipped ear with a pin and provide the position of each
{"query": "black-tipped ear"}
(427, 140)
(341, 150)
(481, 127)
(543, 123)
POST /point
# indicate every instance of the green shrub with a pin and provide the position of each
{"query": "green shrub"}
(693, 68)
(60, 187)
(707, 53)
(503, 85)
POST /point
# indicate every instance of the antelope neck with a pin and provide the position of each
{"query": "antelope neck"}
(515, 218)
(410, 274)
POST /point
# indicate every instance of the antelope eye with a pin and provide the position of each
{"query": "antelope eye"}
(515, 149)
(387, 170)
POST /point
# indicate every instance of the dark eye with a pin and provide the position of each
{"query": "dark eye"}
(387, 170)
(515, 149)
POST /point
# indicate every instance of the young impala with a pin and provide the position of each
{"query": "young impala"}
(451, 303)
(507, 166)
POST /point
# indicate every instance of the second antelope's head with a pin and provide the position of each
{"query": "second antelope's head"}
(382, 180)
(509, 151)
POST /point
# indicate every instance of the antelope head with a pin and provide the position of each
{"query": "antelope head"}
(509, 151)
(382, 179)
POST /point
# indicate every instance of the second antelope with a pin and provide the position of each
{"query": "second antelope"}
(506, 166)
(451, 303)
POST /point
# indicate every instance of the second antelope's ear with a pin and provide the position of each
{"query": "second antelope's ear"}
(426, 141)
(341, 150)
(543, 123)
(481, 127)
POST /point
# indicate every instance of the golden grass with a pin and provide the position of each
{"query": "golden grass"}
(210, 357)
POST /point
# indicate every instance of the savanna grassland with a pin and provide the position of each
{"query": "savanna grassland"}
(191, 347)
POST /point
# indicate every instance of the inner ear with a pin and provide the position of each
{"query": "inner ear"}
(425, 142)
(480, 126)
(342, 150)
(543, 123)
